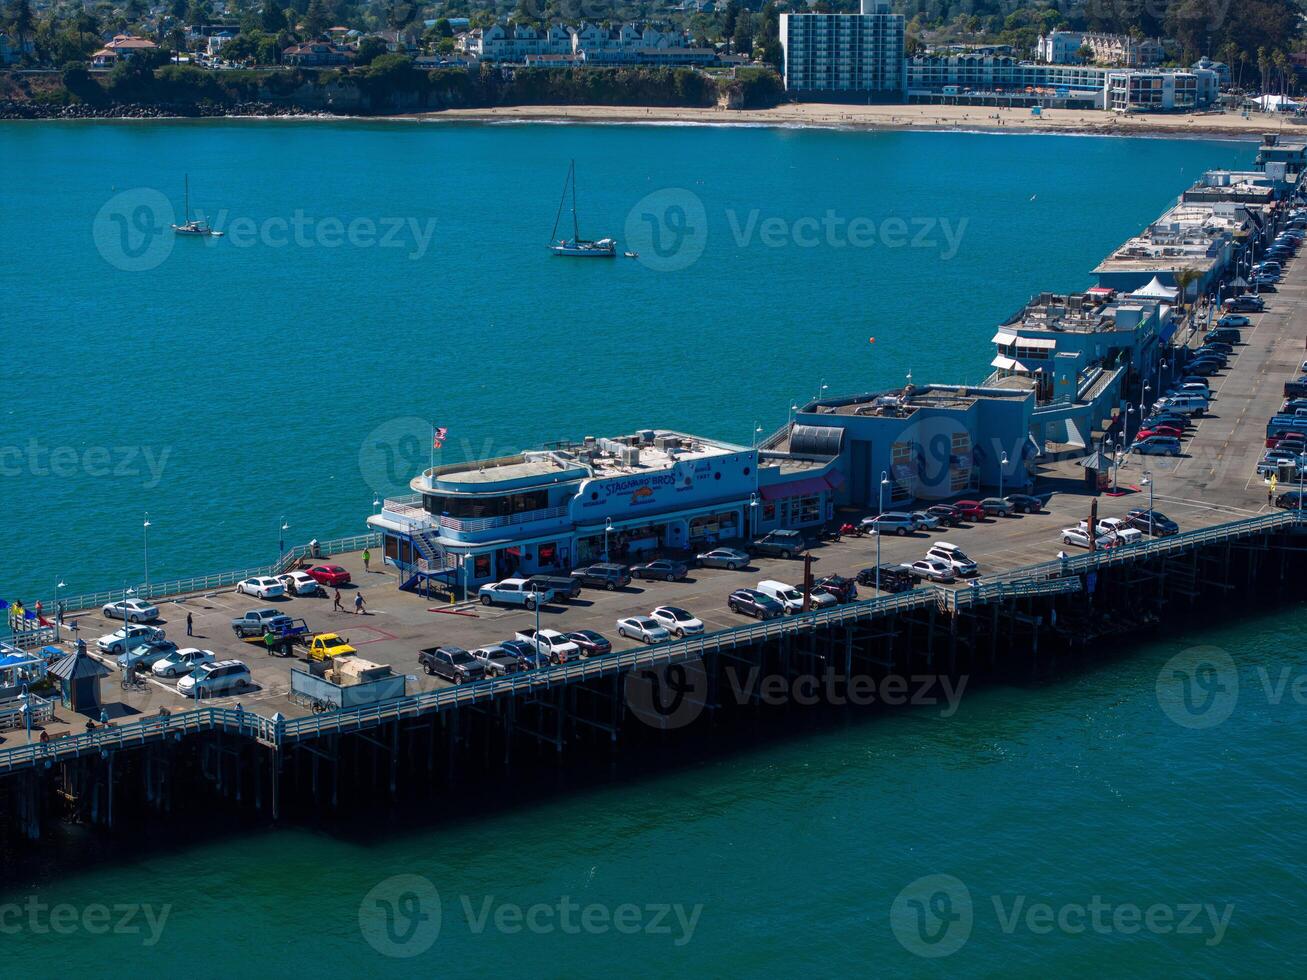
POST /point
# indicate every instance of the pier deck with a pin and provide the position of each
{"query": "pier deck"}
(1213, 483)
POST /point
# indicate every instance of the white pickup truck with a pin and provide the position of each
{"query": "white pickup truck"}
(552, 644)
(514, 592)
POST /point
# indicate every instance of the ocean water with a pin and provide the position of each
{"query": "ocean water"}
(378, 278)
(1079, 826)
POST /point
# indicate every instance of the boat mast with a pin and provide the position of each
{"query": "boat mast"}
(553, 235)
(576, 230)
(187, 219)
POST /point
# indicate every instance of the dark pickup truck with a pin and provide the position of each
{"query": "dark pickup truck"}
(564, 587)
(260, 622)
(780, 544)
(452, 663)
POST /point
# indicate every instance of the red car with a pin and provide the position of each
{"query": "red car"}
(970, 510)
(1160, 430)
(329, 575)
(1273, 441)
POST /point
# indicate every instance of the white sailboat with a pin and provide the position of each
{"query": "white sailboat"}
(577, 247)
(194, 226)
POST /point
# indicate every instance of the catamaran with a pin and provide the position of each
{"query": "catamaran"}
(577, 247)
(194, 226)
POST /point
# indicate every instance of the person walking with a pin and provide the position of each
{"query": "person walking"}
(190, 625)
(337, 604)
(367, 557)
(358, 603)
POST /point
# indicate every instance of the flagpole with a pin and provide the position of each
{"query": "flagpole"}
(431, 476)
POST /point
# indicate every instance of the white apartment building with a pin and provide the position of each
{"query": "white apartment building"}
(1063, 48)
(587, 43)
(845, 56)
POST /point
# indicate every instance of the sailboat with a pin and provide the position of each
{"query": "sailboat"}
(194, 226)
(577, 247)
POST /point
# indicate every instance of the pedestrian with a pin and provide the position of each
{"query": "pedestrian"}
(337, 604)
(190, 625)
(367, 557)
(358, 603)
(38, 608)
(81, 647)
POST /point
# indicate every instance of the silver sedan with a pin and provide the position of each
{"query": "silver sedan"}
(731, 558)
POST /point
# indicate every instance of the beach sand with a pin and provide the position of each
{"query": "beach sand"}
(900, 117)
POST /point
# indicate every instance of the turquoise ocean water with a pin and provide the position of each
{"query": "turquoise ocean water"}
(223, 386)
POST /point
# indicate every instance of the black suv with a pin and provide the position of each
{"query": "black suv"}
(452, 663)
(780, 544)
(563, 586)
(604, 576)
(750, 602)
(893, 578)
(843, 589)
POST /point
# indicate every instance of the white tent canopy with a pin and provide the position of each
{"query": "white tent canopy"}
(1155, 290)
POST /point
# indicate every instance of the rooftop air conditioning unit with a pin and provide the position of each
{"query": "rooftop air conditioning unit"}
(630, 456)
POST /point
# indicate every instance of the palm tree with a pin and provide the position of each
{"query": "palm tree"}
(1184, 278)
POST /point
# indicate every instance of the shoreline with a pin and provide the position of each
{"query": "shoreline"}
(887, 118)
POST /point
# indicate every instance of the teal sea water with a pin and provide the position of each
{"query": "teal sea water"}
(275, 379)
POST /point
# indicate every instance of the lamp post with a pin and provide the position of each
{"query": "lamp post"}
(753, 514)
(794, 408)
(145, 531)
(1148, 482)
(884, 482)
(27, 710)
(1147, 400)
(282, 528)
(1002, 465)
(608, 527)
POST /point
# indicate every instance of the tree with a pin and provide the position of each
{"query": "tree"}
(317, 19)
(271, 17)
(730, 19)
(742, 37)
(369, 49)
(22, 20)
(1184, 278)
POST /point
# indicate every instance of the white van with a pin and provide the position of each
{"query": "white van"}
(1186, 404)
(787, 595)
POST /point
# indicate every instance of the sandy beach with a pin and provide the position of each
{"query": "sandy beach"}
(901, 117)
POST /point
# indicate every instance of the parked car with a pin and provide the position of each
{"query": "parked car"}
(562, 586)
(183, 661)
(970, 510)
(131, 635)
(1225, 326)
(751, 602)
(130, 610)
(146, 655)
(497, 660)
(947, 514)
(299, 583)
(258, 622)
(1153, 522)
(451, 663)
(662, 568)
(1169, 431)
(843, 589)
(925, 520)
(604, 575)
(890, 522)
(642, 628)
(331, 575)
(892, 578)
(821, 599)
(677, 621)
(1292, 500)
(513, 592)
(790, 598)
(996, 506)
(551, 643)
(526, 653)
(953, 556)
(1156, 446)
(1025, 503)
(1080, 537)
(261, 587)
(590, 643)
(1203, 367)
(731, 558)
(1124, 531)
(931, 569)
(213, 680)
(780, 544)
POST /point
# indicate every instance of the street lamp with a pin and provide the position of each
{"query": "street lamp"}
(281, 537)
(1148, 482)
(884, 482)
(756, 430)
(608, 526)
(145, 531)
(1002, 465)
(753, 513)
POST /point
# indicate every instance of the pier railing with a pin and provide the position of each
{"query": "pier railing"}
(217, 580)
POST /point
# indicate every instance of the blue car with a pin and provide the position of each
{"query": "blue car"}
(1156, 446)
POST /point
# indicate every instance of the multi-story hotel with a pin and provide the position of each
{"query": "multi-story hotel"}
(845, 56)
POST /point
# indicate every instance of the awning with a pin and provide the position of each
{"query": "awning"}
(1007, 364)
(797, 488)
(1037, 343)
(1004, 338)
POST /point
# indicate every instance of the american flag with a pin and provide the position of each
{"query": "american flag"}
(438, 437)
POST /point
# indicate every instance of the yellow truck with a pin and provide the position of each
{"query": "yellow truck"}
(325, 646)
